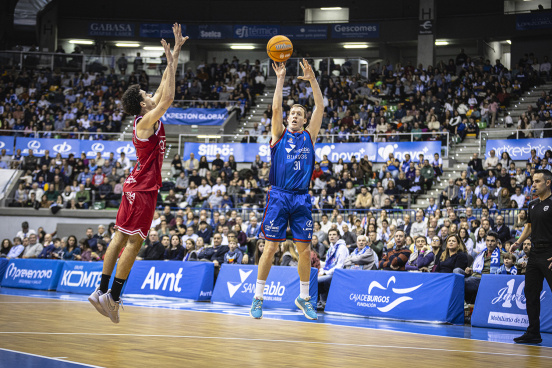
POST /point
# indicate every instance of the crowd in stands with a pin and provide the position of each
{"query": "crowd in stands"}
(61, 104)
(445, 240)
(457, 98)
(211, 211)
(427, 98)
(74, 183)
(64, 104)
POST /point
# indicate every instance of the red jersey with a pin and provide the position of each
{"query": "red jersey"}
(146, 175)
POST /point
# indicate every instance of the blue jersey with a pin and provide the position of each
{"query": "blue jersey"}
(292, 161)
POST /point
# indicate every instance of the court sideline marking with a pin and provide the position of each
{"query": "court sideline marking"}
(47, 357)
(245, 315)
(279, 341)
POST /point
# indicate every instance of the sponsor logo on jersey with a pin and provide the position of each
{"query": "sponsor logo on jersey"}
(130, 197)
(271, 227)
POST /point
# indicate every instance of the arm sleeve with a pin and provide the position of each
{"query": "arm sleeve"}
(461, 261)
(341, 256)
(156, 253)
(401, 258)
(219, 254)
(426, 260)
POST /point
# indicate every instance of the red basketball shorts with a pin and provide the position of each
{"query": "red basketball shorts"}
(136, 212)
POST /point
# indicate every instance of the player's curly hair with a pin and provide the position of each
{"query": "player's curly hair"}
(131, 100)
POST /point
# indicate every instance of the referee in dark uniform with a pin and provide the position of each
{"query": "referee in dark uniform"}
(539, 266)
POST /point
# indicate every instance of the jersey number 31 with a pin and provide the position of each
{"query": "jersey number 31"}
(297, 165)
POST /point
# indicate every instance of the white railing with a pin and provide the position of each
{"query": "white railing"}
(79, 62)
(358, 65)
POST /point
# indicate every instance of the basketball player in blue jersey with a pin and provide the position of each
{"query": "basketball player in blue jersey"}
(288, 201)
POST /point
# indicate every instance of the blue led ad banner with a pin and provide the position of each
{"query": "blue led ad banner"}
(358, 30)
(376, 152)
(236, 285)
(210, 32)
(255, 31)
(38, 274)
(111, 29)
(398, 295)
(539, 20)
(194, 116)
(304, 32)
(519, 149)
(501, 303)
(187, 280)
(158, 30)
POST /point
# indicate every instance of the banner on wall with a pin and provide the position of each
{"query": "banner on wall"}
(305, 32)
(3, 265)
(255, 31)
(236, 285)
(414, 149)
(113, 29)
(210, 32)
(519, 149)
(242, 152)
(376, 152)
(195, 116)
(538, 20)
(90, 148)
(158, 30)
(55, 146)
(38, 274)
(501, 303)
(188, 280)
(82, 277)
(398, 295)
(7, 142)
(358, 30)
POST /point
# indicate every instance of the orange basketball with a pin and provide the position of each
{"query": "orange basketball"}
(279, 48)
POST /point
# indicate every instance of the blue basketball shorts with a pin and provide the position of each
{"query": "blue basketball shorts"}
(283, 207)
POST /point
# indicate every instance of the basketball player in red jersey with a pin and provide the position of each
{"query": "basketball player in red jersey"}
(141, 187)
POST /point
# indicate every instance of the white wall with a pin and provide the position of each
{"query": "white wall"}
(242, 55)
(525, 6)
(316, 15)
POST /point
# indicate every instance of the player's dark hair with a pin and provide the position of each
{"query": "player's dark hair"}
(546, 174)
(131, 100)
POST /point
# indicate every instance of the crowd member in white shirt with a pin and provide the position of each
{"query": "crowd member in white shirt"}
(204, 190)
(124, 161)
(219, 186)
(518, 197)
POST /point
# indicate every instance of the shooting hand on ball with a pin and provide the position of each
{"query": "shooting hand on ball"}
(279, 69)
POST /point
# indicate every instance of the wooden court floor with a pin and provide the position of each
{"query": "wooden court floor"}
(152, 337)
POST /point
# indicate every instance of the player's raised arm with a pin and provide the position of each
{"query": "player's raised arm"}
(167, 95)
(277, 112)
(316, 118)
(179, 40)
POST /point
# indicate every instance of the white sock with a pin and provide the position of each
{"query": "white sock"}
(259, 289)
(304, 290)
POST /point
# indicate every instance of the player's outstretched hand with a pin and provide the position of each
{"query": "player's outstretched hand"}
(308, 73)
(168, 54)
(279, 69)
(179, 40)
